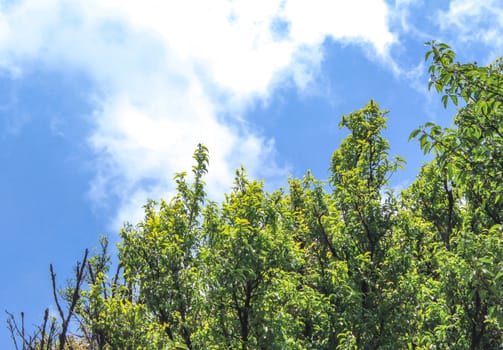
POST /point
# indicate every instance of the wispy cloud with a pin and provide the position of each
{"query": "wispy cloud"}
(475, 22)
(172, 74)
(470, 26)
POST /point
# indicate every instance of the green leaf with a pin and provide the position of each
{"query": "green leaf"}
(427, 55)
(444, 99)
(414, 133)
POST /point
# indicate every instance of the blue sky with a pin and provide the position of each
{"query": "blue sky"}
(101, 102)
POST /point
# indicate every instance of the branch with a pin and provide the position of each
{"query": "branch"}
(325, 236)
(55, 293)
(44, 325)
(65, 321)
(13, 328)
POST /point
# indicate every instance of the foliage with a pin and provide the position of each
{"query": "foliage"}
(341, 264)
(467, 210)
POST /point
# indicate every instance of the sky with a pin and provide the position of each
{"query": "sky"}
(103, 101)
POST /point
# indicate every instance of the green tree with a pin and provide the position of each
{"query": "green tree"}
(250, 261)
(361, 168)
(468, 159)
(161, 256)
(324, 270)
(343, 264)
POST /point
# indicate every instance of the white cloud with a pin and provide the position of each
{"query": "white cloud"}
(353, 20)
(173, 74)
(475, 22)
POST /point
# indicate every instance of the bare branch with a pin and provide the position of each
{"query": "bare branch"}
(75, 298)
(55, 293)
(65, 320)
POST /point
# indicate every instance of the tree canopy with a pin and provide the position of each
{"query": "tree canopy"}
(345, 263)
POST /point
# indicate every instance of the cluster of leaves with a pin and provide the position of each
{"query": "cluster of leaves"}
(342, 264)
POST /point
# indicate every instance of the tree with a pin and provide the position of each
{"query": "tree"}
(250, 259)
(338, 264)
(160, 256)
(469, 162)
(360, 169)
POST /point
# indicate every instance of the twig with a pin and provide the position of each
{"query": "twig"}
(65, 321)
